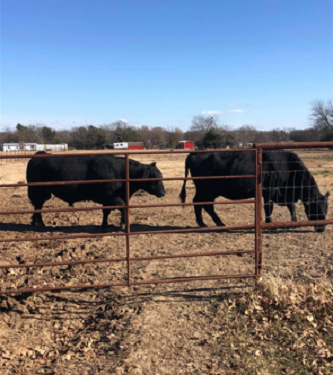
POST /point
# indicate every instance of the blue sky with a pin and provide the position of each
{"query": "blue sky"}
(159, 62)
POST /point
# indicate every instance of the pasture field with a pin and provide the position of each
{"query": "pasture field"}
(190, 328)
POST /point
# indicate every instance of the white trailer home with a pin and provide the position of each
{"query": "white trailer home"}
(120, 146)
(7, 147)
(50, 147)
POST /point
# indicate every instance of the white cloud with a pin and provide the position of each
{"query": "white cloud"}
(231, 111)
(212, 112)
(122, 119)
(237, 111)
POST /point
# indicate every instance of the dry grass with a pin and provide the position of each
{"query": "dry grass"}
(279, 328)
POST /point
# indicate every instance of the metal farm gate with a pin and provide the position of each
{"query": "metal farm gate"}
(258, 227)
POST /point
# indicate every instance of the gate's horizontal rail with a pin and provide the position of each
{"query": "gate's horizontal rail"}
(292, 145)
(105, 153)
(85, 182)
(92, 208)
(94, 235)
(108, 260)
(145, 282)
(265, 226)
(297, 224)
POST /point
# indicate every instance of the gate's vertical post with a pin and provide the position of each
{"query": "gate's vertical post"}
(128, 229)
(258, 213)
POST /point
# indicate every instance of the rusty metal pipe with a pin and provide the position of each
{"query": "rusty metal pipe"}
(92, 208)
(83, 182)
(104, 153)
(64, 263)
(297, 224)
(94, 235)
(128, 225)
(108, 260)
(258, 213)
(145, 282)
(292, 145)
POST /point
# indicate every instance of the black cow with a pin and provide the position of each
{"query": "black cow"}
(285, 181)
(89, 168)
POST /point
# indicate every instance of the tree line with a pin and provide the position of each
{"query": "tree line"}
(205, 132)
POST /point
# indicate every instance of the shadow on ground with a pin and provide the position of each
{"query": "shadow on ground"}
(93, 229)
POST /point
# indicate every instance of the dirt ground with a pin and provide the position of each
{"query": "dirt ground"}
(147, 329)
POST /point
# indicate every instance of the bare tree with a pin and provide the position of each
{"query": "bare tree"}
(157, 136)
(246, 134)
(173, 136)
(202, 123)
(322, 115)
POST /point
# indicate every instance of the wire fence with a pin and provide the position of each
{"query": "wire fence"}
(160, 238)
(298, 187)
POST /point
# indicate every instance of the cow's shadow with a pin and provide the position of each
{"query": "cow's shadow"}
(93, 229)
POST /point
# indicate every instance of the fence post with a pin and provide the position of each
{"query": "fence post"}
(128, 229)
(258, 213)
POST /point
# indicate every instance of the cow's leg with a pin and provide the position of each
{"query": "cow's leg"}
(106, 213)
(114, 202)
(292, 210)
(209, 208)
(268, 206)
(37, 217)
(198, 211)
(37, 197)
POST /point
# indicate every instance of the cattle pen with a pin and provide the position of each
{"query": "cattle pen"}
(258, 228)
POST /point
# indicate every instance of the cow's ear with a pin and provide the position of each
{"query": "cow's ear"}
(153, 164)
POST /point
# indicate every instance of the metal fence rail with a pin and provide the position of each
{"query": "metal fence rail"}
(258, 225)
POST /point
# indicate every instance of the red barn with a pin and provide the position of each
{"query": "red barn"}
(135, 146)
(186, 145)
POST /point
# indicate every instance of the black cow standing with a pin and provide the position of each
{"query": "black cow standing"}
(89, 168)
(286, 180)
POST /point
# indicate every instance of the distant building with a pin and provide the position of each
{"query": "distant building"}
(118, 143)
(185, 145)
(245, 145)
(7, 147)
(11, 147)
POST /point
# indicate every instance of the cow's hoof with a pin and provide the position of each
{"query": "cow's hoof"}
(203, 225)
(220, 224)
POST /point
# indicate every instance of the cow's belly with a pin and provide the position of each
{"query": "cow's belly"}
(71, 197)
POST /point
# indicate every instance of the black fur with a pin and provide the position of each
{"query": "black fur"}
(89, 168)
(286, 180)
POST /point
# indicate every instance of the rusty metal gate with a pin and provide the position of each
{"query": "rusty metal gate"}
(258, 227)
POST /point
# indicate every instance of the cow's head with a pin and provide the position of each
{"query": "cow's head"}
(153, 187)
(316, 209)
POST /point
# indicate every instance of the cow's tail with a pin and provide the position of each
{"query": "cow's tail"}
(182, 194)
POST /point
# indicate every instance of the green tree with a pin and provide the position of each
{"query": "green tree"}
(212, 139)
(48, 134)
(21, 128)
